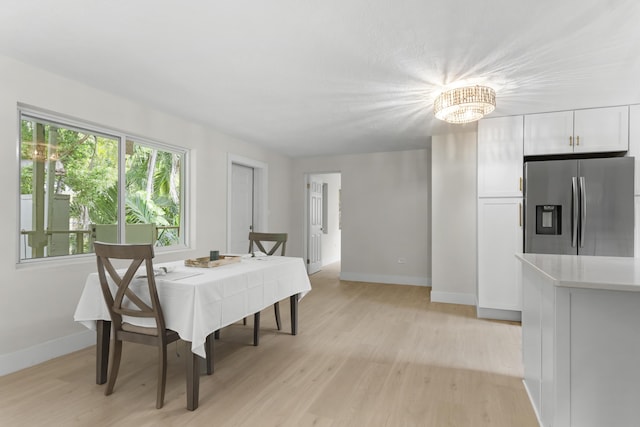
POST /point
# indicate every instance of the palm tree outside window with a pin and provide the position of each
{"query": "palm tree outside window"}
(73, 191)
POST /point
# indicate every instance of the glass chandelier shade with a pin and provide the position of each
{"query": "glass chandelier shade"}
(464, 104)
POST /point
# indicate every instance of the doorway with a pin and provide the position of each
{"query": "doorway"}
(323, 227)
(246, 201)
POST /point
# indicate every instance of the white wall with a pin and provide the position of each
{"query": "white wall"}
(37, 301)
(385, 214)
(330, 240)
(453, 217)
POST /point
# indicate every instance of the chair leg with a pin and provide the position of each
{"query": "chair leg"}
(162, 375)
(276, 308)
(256, 328)
(208, 347)
(115, 366)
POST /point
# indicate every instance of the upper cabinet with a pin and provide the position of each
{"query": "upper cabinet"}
(600, 130)
(595, 130)
(548, 133)
(500, 157)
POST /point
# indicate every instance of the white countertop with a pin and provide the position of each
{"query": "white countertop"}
(590, 272)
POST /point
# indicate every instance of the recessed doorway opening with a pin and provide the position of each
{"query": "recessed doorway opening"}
(323, 227)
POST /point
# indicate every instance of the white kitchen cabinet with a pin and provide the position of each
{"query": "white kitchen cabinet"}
(600, 130)
(634, 144)
(500, 164)
(580, 339)
(548, 133)
(532, 339)
(595, 130)
(500, 155)
(499, 238)
(636, 240)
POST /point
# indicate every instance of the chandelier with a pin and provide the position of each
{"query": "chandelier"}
(464, 104)
(42, 151)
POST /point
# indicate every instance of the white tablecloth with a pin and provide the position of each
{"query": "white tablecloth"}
(199, 301)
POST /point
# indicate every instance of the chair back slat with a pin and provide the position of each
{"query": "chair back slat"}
(124, 290)
(258, 239)
(125, 301)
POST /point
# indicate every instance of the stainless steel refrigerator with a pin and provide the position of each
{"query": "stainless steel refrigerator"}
(579, 207)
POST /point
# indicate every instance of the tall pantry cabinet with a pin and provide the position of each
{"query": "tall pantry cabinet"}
(500, 216)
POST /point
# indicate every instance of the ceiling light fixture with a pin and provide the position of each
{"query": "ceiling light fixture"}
(464, 104)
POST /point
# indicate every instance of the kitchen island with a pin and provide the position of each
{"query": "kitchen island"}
(581, 339)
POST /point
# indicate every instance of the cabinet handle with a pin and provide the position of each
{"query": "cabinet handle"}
(571, 140)
(521, 184)
(577, 140)
(520, 214)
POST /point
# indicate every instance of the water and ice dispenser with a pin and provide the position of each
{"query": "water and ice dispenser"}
(549, 219)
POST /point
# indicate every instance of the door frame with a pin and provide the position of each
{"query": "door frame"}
(305, 226)
(260, 192)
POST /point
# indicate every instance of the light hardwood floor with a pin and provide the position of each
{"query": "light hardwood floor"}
(366, 355)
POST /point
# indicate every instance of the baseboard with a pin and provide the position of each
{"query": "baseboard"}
(386, 279)
(31, 356)
(453, 298)
(535, 410)
(495, 314)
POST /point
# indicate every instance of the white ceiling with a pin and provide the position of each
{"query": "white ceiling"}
(333, 76)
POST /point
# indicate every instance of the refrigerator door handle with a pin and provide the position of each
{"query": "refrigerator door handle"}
(583, 209)
(574, 211)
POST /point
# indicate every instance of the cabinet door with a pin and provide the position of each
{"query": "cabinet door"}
(500, 157)
(600, 130)
(548, 133)
(634, 143)
(499, 238)
(636, 249)
(532, 334)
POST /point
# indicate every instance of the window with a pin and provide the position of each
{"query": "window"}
(77, 183)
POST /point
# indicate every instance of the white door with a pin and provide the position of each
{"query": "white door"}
(241, 208)
(314, 251)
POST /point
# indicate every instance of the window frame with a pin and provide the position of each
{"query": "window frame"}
(50, 118)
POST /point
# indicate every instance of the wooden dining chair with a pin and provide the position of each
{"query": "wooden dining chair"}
(126, 299)
(278, 241)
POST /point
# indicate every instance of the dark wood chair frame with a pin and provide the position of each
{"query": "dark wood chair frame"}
(280, 242)
(125, 302)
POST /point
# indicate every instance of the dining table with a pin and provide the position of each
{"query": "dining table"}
(196, 302)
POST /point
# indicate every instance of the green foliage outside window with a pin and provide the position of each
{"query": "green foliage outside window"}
(84, 166)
